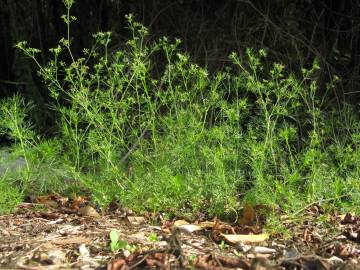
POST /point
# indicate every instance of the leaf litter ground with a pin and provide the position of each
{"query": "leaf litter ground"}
(55, 233)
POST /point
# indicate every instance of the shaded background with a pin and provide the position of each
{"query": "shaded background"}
(293, 32)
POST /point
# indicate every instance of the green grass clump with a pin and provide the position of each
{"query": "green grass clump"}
(10, 197)
(184, 141)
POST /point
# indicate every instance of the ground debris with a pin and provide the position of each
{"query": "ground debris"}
(49, 237)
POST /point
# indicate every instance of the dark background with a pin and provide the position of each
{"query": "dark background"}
(293, 32)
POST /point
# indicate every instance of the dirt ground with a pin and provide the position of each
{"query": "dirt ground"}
(54, 233)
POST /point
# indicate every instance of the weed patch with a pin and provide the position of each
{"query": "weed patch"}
(184, 142)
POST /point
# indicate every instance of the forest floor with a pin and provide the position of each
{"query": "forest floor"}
(55, 233)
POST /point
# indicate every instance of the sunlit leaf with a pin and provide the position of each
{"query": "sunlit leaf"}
(245, 238)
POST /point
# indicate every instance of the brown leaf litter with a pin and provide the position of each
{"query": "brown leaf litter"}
(55, 233)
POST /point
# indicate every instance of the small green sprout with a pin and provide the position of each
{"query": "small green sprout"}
(116, 244)
(223, 246)
(153, 237)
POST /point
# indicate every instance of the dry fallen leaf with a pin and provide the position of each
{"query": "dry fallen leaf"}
(263, 250)
(207, 224)
(89, 212)
(189, 228)
(139, 236)
(136, 220)
(156, 260)
(180, 222)
(78, 201)
(71, 240)
(56, 256)
(50, 255)
(51, 204)
(48, 201)
(116, 264)
(84, 251)
(52, 201)
(249, 215)
(245, 238)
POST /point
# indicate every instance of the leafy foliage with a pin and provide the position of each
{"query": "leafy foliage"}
(186, 142)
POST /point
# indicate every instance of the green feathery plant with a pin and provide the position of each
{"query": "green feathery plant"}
(185, 141)
(13, 123)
